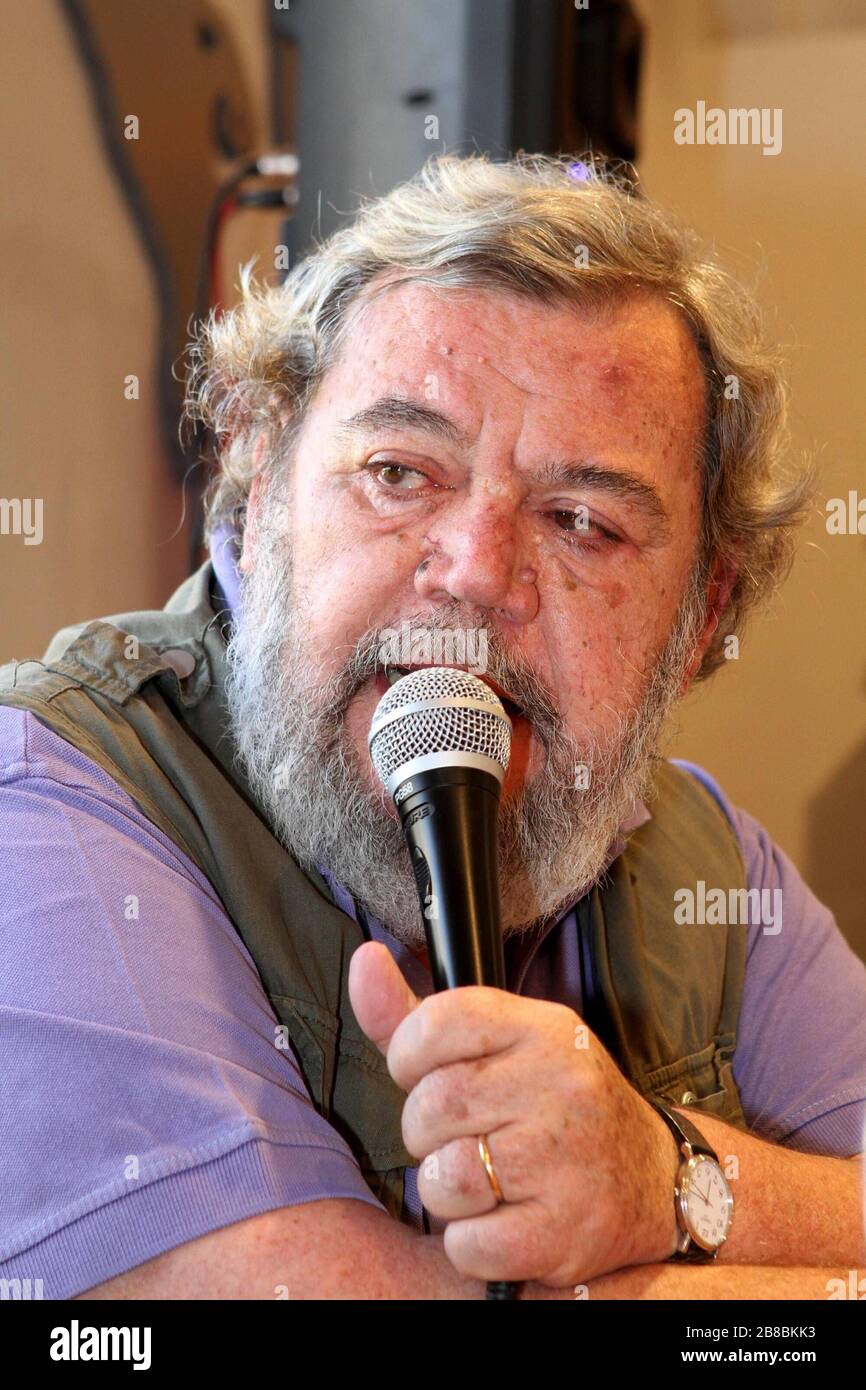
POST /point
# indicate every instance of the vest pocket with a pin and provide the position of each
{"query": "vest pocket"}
(702, 1082)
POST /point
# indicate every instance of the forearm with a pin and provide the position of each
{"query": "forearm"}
(333, 1249)
(710, 1282)
(789, 1208)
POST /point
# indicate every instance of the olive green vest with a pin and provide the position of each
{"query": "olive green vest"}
(141, 694)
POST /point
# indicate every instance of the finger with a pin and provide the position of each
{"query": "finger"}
(467, 1098)
(513, 1242)
(453, 1182)
(378, 993)
(454, 1026)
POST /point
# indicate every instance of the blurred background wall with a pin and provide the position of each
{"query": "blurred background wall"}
(784, 726)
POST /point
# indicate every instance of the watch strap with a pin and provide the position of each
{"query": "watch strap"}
(693, 1255)
(683, 1130)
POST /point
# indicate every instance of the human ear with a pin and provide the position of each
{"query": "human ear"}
(251, 525)
(719, 588)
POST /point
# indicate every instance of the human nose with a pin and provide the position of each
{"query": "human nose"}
(479, 557)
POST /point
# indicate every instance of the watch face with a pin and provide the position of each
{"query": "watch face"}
(706, 1201)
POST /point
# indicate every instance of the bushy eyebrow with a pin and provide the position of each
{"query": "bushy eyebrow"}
(399, 412)
(616, 481)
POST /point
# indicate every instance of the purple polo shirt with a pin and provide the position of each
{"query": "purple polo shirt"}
(143, 1101)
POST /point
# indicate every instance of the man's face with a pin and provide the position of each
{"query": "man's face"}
(494, 463)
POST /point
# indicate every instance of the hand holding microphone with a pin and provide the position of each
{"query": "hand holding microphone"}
(579, 1181)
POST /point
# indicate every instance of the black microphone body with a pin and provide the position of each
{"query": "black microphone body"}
(449, 817)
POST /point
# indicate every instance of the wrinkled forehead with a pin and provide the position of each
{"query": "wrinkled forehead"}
(634, 358)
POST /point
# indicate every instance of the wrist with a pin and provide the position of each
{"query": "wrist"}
(662, 1230)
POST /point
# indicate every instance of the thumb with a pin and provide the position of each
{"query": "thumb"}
(379, 995)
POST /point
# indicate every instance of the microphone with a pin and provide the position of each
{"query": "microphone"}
(440, 741)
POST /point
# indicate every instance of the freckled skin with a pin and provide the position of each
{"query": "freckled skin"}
(527, 382)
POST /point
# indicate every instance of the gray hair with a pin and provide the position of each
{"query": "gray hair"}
(514, 225)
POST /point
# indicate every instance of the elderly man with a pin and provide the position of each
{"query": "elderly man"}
(509, 400)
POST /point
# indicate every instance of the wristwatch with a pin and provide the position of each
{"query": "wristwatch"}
(703, 1201)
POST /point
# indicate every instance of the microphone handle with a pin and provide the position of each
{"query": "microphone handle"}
(449, 817)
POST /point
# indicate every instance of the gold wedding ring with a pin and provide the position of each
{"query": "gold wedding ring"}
(484, 1151)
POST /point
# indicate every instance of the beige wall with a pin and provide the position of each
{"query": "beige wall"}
(784, 728)
(78, 316)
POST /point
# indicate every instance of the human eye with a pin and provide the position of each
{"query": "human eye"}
(394, 477)
(581, 530)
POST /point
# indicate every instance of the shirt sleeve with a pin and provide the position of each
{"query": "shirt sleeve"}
(147, 1095)
(800, 1060)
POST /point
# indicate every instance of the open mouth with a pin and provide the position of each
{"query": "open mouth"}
(513, 709)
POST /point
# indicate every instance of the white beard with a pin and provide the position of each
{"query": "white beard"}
(555, 839)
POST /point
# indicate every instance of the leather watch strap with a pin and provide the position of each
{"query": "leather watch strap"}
(682, 1130)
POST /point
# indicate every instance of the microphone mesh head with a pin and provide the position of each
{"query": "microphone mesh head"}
(438, 710)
